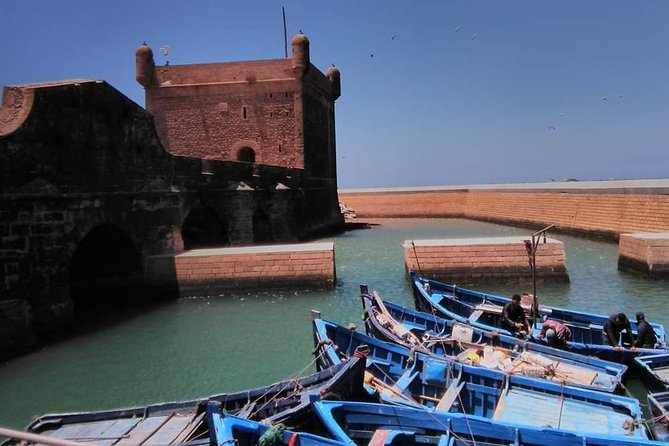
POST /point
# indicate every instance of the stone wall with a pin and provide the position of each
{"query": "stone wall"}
(207, 271)
(604, 209)
(214, 110)
(476, 260)
(648, 253)
(90, 200)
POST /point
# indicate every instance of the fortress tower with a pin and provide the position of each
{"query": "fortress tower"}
(276, 112)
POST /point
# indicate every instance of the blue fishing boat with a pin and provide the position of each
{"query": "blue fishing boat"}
(484, 311)
(378, 424)
(404, 377)
(655, 369)
(431, 334)
(183, 422)
(658, 406)
(231, 430)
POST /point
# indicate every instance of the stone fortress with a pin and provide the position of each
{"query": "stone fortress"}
(99, 195)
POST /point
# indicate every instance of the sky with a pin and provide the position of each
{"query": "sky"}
(433, 92)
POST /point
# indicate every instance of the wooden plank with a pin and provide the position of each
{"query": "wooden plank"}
(143, 431)
(83, 431)
(449, 396)
(379, 438)
(169, 431)
(190, 429)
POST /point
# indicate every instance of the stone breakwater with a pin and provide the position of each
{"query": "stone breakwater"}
(601, 209)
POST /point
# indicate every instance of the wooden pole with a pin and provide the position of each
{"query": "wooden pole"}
(37, 438)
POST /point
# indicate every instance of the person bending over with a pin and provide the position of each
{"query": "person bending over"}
(556, 333)
(614, 326)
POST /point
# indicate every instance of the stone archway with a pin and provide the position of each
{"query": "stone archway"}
(203, 228)
(262, 227)
(105, 272)
(246, 155)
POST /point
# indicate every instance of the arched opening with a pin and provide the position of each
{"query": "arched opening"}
(203, 228)
(246, 155)
(262, 228)
(106, 272)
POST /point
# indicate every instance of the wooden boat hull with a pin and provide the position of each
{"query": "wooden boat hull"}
(413, 379)
(655, 369)
(658, 406)
(483, 311)
(184, 421)
(362, 424)
(446, 337)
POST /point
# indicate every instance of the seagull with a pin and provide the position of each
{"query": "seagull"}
(561, 114)
(550, 127)
(474, 36)
(393, 37)
(603, 98)
(620, 96)
(457, 28)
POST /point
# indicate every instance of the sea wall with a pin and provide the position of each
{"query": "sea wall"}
(648, 253)
(479, 260)
(203, 271)
(597, 208)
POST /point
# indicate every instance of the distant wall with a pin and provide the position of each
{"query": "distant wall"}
(605, 209)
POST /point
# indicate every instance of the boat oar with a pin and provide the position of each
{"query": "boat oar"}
(37, 438)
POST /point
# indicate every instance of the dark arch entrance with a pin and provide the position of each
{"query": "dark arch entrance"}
(262, 228)
(106, 271)
(203, 228)
(246, 155)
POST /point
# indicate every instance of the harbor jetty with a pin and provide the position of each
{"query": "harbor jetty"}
(207, 271)
(475, 260)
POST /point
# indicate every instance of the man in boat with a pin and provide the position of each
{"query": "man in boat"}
(646, 337)
(513, 316)
(556, 333)
(614, 326)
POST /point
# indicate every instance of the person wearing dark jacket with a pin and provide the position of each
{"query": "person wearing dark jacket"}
(615, 325)
(513, 316)
(646, 337)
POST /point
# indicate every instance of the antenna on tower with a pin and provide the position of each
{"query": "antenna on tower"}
(285, 35)
(165, 50)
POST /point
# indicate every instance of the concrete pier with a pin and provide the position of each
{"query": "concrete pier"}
(477, 260)
(208, 271)
(647, 253)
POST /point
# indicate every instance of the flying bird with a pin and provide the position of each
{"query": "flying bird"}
(474, 36)
(603, 98)
(550, 127)
(372, 56)
(457, 28)
(393, 37)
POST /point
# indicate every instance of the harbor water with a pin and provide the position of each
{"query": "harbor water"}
(194, 347)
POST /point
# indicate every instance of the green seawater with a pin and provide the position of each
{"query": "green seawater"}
(194, 347)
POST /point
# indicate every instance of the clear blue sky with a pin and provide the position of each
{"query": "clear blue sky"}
(467, 92)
